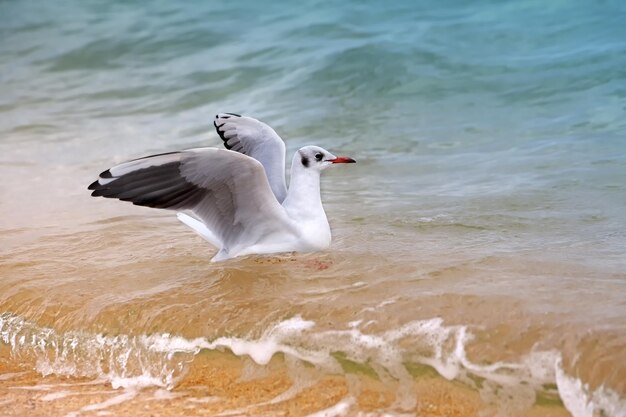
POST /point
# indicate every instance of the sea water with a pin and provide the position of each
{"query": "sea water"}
(482, 233)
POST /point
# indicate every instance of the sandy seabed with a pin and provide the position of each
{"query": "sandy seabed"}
(227, 387)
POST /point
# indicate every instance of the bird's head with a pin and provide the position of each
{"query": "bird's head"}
(314, 157)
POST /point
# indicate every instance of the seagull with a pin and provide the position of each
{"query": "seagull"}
(235, 198)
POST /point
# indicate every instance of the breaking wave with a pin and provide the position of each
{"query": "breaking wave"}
(161, 360)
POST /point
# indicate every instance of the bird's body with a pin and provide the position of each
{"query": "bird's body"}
(236, 199)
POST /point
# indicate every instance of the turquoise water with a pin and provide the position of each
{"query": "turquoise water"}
(478, 108)
(482, 130)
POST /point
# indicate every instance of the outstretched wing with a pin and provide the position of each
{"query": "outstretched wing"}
(226, 190)
(259, 141)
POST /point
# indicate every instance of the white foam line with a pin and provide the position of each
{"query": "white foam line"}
(6, 402)
(62, 394)
(204, 400)
(134, 382)
(48, 387)
(118, 399)
(12, 375)
(578, 400)
(163, 394)
(34, 388)
(97, 381)
(381, 304)
(296, 338)
(573, 395)
(337, 410)
(324, 291)
(236, 412)
(290, 393)
(56, 395)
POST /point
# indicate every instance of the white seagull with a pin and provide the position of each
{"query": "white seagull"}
(236, 199)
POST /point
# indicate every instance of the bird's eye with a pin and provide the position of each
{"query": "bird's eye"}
(319, 156)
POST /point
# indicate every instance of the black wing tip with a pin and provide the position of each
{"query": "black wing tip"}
(94, 185)
(221, 135)
(221, 115)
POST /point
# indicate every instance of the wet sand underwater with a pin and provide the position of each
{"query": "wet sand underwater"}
(221, 385)
(157, 330)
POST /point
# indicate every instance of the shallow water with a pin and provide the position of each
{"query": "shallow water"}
(480, 238)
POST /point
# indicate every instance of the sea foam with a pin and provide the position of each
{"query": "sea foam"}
(160, 360)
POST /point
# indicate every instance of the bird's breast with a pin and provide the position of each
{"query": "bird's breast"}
(315, 235)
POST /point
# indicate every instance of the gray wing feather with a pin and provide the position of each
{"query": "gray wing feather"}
(226, 190)
(259, 141)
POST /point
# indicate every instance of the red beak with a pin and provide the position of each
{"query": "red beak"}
(342, 160)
